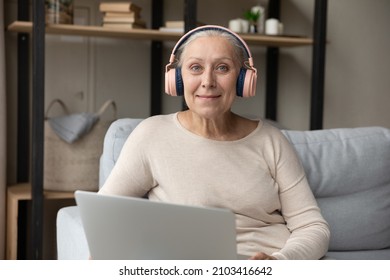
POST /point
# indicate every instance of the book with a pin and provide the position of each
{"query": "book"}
(119, 7)
(130, 14)
(174, 23)
(123, 25)
(172, 29)
(110, 19)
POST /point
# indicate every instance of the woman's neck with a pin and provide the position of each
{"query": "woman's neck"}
(228, 127)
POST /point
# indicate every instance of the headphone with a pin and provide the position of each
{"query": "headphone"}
(246, 82)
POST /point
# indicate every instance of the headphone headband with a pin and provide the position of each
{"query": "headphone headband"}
(211, 27)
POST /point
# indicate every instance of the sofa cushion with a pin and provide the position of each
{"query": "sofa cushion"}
(359, 255)
(349, 173)
(115, 137)
(71, 241)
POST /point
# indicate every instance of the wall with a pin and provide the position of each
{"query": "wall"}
(358, 84)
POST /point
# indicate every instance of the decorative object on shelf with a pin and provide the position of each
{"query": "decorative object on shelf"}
(252, 16)
(260, 10)
(280, 28)
(239, 25)
(273, 27)
(59, 11)
(121, 15)
(73, 145)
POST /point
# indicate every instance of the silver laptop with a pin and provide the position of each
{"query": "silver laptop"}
(125, 228)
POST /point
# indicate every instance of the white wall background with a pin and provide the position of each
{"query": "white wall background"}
(358, 80)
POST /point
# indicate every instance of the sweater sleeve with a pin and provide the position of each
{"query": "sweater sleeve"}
(310, 233)
(131, 175)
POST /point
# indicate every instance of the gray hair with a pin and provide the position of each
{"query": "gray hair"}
(239, 50)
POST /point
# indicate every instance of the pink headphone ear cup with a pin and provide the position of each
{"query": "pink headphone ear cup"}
(249, 87)
(170, 82)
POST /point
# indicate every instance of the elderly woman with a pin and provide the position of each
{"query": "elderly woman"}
(209, 156)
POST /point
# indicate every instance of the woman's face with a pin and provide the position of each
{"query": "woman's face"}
(209, 72)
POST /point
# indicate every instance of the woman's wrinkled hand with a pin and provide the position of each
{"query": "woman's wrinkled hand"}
(262, 256)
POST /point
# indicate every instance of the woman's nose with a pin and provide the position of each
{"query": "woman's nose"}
(208, 79)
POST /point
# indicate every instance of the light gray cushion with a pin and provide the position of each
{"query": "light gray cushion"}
(359, 255)
(349, 173)
(115, 137)
(71, 241)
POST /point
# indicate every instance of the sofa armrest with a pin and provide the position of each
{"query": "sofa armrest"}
(114, 140)
(71, 241)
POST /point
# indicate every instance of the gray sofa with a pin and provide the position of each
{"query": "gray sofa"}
(349, 173)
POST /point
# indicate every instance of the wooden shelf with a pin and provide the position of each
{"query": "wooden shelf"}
(23, 192)
(150, 34)
(15, 194)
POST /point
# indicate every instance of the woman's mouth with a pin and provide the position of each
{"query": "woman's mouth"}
(208, 97)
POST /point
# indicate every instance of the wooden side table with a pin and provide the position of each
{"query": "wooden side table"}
(16, 193)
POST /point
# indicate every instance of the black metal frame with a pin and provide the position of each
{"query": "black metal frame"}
(272, 69)
(38, 107)
(156, 62)
(190, 14)
(38, 74)
(23, 107)
(23, 137)
(318, 64)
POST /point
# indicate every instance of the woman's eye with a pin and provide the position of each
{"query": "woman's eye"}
(223, 68)
(195, 68)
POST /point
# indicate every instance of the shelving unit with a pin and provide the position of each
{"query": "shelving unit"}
(151, 34)
(38, 30)
(15, 194)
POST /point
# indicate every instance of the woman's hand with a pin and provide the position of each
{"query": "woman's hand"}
(262, 256)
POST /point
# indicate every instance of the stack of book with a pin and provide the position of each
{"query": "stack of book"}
(175, 26)
(121, 15)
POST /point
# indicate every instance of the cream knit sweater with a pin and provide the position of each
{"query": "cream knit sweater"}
(258, 177)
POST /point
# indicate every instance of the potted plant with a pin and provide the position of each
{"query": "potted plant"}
(252, 16)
